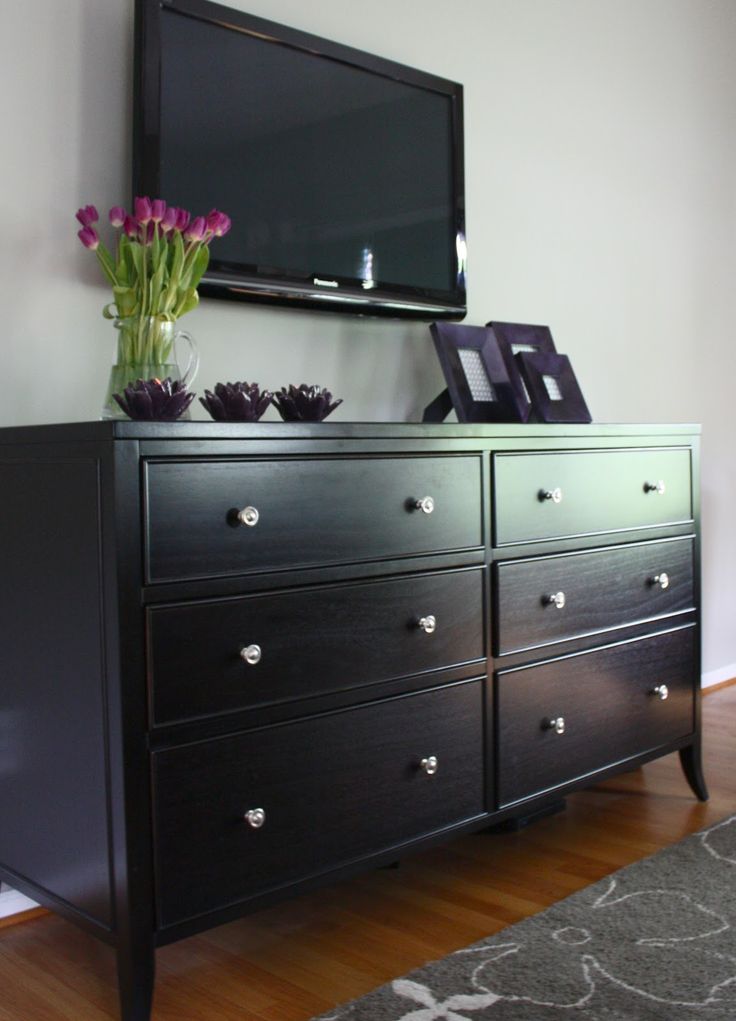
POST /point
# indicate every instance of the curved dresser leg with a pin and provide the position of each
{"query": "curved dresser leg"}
(692, 767)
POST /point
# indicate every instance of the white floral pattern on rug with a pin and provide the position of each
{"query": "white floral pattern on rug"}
(719, 840)
(625, 948)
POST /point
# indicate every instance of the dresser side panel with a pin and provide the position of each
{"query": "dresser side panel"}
(53, 801)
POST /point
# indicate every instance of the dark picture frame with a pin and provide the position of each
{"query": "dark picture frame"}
(524, 337)
(483, 382)
(553, 388)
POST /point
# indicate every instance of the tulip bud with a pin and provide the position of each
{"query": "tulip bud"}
(87, 215)
(213, 219)
(117, 216)
(158, 209)
(130, 226)
(182, 219)
(88, 237)
(169, 221)
(196, 230)
(218, 223)
(143, 210)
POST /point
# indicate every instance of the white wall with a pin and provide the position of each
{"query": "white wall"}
(600, 158)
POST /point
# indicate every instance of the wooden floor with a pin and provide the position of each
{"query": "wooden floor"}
(291, 962)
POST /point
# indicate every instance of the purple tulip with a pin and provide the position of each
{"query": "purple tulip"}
(88, 237)
(169, 221)
(182, 219)
(158, 210)
(196, 229)
(218, 223)
(143, 210)
(117, 216)
(130, 226)
(87, 215)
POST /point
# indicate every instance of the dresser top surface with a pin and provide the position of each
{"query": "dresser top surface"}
(119, 429)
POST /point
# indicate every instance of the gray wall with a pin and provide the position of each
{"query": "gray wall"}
(600, 158)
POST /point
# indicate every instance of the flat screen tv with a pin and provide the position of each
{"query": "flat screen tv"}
(342, 172)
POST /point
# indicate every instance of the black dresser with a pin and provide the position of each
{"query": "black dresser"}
(242, 661)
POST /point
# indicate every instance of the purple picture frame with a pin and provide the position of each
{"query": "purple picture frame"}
(552, 387)
(524, 337)
(518, 338)
(483, 381)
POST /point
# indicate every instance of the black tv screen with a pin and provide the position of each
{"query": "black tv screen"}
(342, 172)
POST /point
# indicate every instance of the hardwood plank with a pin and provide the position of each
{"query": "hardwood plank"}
(296, 960)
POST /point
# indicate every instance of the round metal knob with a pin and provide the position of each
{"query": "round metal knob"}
(557, 724)
(663, 580)
(425, 505)
(655, 487)
(427, 624)
(661, 691)
(248, 516)
(555, 599)
(255, 818)
(555, 495)
(251, 654)
(430, 765)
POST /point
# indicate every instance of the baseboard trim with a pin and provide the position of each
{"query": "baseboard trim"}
(718, 686)
(720, 678)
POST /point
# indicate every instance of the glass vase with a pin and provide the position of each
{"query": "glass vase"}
(147, 349)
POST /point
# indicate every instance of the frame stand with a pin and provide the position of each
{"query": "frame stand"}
(438, 409)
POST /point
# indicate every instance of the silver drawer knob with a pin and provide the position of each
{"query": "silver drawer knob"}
(425, 505)
(661, 691)
(255, 818)
(557, 724)
(555, 495)
(430, 765)
(655, 487)
(427, 624)
(663, 580)
(555, 599)
(251, 654)
(248, 516)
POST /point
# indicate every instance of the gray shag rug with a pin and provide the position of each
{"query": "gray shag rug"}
(655, 941)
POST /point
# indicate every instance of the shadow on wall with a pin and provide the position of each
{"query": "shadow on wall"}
(394, 365)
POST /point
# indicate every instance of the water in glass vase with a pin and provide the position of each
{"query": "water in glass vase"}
(146, 349)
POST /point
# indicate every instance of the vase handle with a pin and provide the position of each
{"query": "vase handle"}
(187, 376)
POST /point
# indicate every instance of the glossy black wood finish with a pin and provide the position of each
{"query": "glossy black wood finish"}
(311, 512)
(609, 705)
(312, 641)
(602, 589)
(333, 788)
(54, 829)
(338, 551)
(601, 492)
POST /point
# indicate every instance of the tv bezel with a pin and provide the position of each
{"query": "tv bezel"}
(245, 284)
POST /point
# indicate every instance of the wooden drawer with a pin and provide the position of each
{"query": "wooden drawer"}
(310, 642)
(609, 707)
(548, 599)
(334, 789)
(585, 492)
(311, 513)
